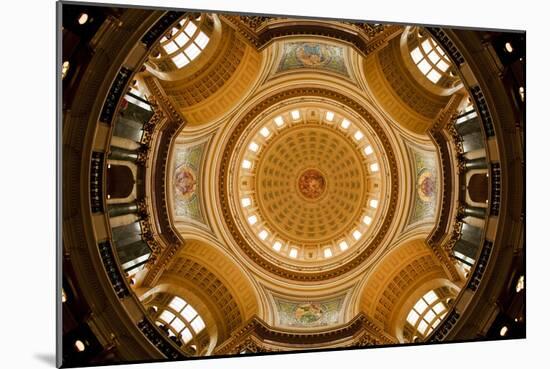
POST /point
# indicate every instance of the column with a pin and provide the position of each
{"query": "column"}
(479, 163)
(118, 153)
(474, 211)
(116, 210)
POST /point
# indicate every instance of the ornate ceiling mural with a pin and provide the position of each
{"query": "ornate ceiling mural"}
(426, 185)
(313, 55)
(309, 314)
(187, 181)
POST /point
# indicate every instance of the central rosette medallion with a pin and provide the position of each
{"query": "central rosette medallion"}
(312, 184)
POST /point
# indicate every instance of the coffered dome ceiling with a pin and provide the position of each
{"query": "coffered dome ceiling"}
(306, 185)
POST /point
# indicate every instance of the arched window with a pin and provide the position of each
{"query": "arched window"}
(181, 320)
(427, 313)
(431, 60)
(184, 42)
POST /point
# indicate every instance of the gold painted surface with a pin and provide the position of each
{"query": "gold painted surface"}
(301, 215)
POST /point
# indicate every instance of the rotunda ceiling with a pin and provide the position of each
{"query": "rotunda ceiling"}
(308, 186)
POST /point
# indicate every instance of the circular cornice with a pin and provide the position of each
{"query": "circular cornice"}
(311, 188)
(226, 191)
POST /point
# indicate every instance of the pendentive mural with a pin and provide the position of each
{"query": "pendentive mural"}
(309, 55)
(305, 314)
(187, 161)
(426, 186)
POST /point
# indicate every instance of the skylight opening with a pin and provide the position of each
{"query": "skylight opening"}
(416, 55)
(357, 235)
(434, 58)
(345, 124)
(295, 114)
(329, 116)
(327, 253)
(245, 202)
(373, 204)
(279, 121)
(177, 303)
(171, 47)
(186, 335)
(177, 325)
(247, 164)
(180, 60)
(202, 40)
(434, 76)
(343, 246)
(424, 66)
(252, 219)
(187, 44)
(358, 135)
(438, 308)
(367, 220)
(443, 65)
(431, 60)
(374, 167)
(263, 234)
(422, 327)
(198, 324)
(427, 46)
(180, 318)
(192, 51)
(293, 253)
(181, 39)
(427, 313)
(430, 297)
(189, 313)
(420, 306)
(368, 150)
(412, 318)
(190, 29)
(277, 246)
(264, 132)
(253, 146)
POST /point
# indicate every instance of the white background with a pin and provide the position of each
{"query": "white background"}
(27, 181)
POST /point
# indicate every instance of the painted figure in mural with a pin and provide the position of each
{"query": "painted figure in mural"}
(311, 184)
(308, 313)
(185, 181)
(313, 55)
(426, 185)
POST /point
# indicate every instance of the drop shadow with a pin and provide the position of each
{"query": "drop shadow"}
(46, 358)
